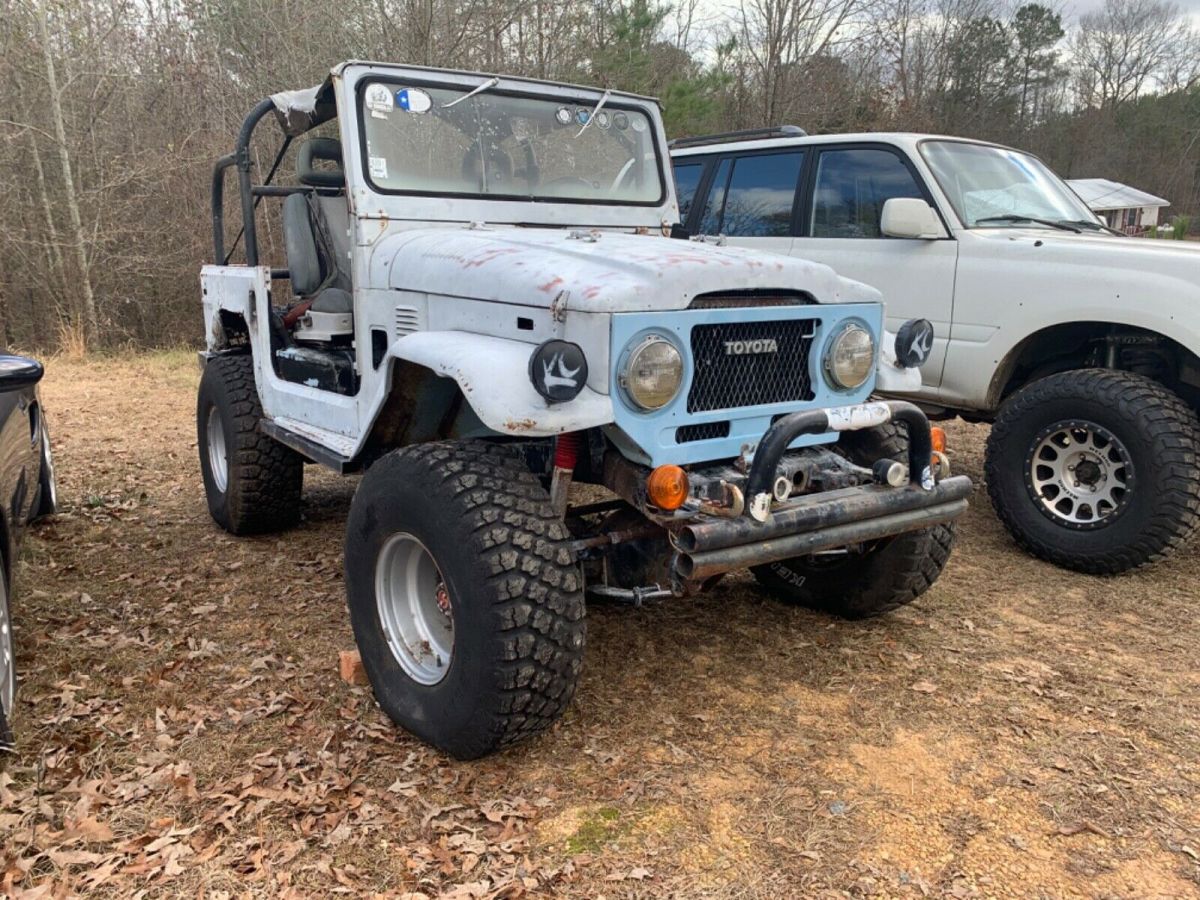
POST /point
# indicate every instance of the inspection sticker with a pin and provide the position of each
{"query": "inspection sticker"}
(379, 100)
(378, 167)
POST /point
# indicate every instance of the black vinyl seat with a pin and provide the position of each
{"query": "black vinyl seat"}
(316, 231)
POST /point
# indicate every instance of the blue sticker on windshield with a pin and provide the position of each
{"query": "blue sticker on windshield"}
(413, 100)
(582, 116)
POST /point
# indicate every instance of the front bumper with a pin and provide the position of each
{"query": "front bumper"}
(799, 526)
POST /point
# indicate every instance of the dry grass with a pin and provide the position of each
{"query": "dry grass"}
(183, 729)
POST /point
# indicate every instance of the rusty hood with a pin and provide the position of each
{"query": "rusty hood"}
(602, 272)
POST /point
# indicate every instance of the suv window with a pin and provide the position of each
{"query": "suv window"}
(687, 179)
(851, 187)
(752, 196)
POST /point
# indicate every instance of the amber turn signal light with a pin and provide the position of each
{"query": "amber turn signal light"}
(939, 438)
(667, 487)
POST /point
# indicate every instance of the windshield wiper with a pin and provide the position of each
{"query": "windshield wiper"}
(1049, 223)
(595, 109)
(490, 83)
(1093, 226)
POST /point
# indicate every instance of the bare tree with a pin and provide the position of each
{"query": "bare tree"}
(1120, 50)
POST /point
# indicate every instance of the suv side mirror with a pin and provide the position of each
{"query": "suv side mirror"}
(17, 372)
(910, 217)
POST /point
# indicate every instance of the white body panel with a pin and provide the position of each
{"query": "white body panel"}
(988, 289)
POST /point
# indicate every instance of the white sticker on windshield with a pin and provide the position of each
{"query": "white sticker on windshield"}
(379, 100)
(378, 167)
(413, 100)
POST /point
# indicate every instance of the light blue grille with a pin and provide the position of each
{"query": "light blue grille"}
(651, 436)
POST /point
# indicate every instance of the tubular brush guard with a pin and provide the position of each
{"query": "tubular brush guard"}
(822, 521)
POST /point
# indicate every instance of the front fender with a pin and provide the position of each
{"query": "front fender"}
(493, 374)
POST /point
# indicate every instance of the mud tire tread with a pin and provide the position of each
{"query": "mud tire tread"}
(266, 478)
(517, 549)
(1151, 409)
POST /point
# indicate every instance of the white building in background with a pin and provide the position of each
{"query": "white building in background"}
(1121, 206)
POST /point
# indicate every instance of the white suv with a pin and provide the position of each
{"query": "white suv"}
(1080, 344)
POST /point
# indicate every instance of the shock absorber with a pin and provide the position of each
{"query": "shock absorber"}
(566, 455)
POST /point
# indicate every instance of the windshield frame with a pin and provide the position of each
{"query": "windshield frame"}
(613, 103)
(960, 214)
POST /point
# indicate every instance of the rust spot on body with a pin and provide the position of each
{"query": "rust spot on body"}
(551, 284)
(519, 425)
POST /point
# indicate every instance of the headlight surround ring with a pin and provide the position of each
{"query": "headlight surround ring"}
(850, 357)
(651, 375)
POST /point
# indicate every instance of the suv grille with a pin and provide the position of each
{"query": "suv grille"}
(750, 363)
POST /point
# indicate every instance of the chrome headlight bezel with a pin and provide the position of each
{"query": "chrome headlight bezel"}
(836, 370)
(650, 343)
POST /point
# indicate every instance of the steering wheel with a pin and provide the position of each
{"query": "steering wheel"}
(570, 181)
(621, 175)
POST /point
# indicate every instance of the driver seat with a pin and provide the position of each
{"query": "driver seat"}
(316, 239)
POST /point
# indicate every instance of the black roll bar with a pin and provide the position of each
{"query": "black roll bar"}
(242, 160)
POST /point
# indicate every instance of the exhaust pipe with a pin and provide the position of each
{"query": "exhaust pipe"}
(816, 511)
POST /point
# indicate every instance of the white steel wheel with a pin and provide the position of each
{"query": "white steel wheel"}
(218, 458)
(414, 609)
(8, 663)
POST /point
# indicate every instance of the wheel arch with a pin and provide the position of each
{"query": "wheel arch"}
(422, 405)
(1105, 344)
(492, 376)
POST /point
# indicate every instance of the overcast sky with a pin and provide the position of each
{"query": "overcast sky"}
(1071, 8)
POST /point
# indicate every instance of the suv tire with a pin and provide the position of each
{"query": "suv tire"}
(253, 483)
(453, 550)
(1140, 444)
(885, 575)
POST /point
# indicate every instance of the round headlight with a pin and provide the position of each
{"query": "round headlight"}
(653, 373)
(850, 357)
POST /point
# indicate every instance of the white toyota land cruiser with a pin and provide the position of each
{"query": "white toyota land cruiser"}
(1078, 343)
(475, 370)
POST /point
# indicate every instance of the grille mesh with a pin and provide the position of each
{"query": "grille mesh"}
(705, 431)
(725, 380)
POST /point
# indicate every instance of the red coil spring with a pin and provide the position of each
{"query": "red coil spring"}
(566, 450)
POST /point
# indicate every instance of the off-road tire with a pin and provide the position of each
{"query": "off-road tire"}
(264, 478)
(47, 504)
(1162, 436)
(889, 574)
(6, 642)
(515, 591)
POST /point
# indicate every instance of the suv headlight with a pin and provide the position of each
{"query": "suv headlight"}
(653, 373)
(849, 357)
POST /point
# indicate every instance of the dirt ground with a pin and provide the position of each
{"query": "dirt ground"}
(1018, 732)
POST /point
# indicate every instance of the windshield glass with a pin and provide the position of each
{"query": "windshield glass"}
(985, 183)
(433, 140)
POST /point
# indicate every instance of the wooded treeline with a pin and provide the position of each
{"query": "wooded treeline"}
(113, 111)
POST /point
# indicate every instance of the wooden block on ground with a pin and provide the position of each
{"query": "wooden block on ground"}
(350, 667)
